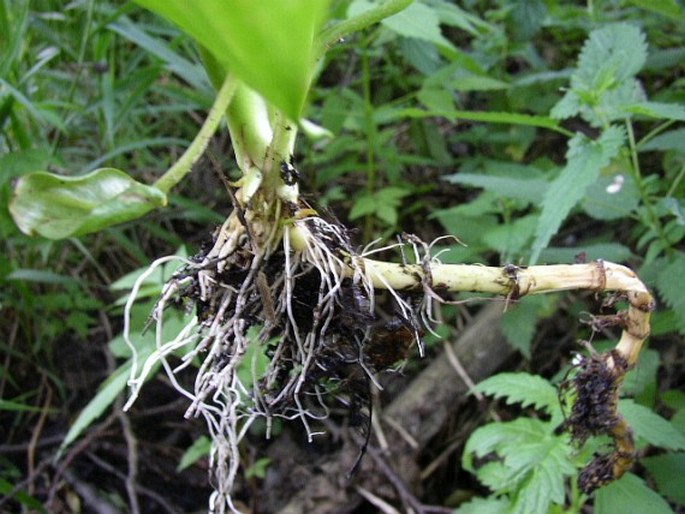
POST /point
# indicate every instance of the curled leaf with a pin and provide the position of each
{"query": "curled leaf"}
(57, 207)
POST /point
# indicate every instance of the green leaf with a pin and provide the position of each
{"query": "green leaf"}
(671, 140)
(668, 471)
(105, 396)
(611, 197)
(609, 251)
(200, 448)
(520, 319)
(41, 276)
(270, 45)
(522, 388)
(510, 239)
(619, 50)
(190, 72)
(585, 160)
(651, 427)
(668, 8)
(658, 110)
(57, 207)
(8, 490)
(534, 466)
(671, 283)
(417, 21)
(10, 405)
(527, 189)
(258, 469)
(629, 495)
(604, 82)
(489, 505)
(489, 117)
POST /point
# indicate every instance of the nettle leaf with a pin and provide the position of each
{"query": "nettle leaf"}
(671, 283)
(612, 197)
(585, 160)
(534, 462)
(523, 388)
(651, 427)
(604, 82)
(668, 471)
(57, 207)
(270, 44)
(618, 50)
(629, 494)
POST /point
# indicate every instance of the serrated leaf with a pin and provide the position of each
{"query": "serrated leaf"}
(619, 50)
(585, 160)
(630, 494)
(523, 388)
(671, 283)
(270, 45)
(668, 471)
(57, 207)
(603, 83)
(651, 427)
(534, 462)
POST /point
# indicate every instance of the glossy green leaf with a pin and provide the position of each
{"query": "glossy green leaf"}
(270, 45)
(57, 207)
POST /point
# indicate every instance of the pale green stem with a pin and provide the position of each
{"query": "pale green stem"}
(183, 166)
(331, 35)
(250, 128)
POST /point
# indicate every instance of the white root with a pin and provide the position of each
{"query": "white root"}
(312, 276)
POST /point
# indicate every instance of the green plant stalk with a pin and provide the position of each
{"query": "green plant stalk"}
(183, 166)
(333, 34)
(653, 218)
(250, 128)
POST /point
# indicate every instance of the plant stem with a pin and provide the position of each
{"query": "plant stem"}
(653, 220)
(250, 128)
(183, 166)
(515, 282)
(333, 34)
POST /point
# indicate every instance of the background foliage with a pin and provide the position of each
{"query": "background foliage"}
(536, 130)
